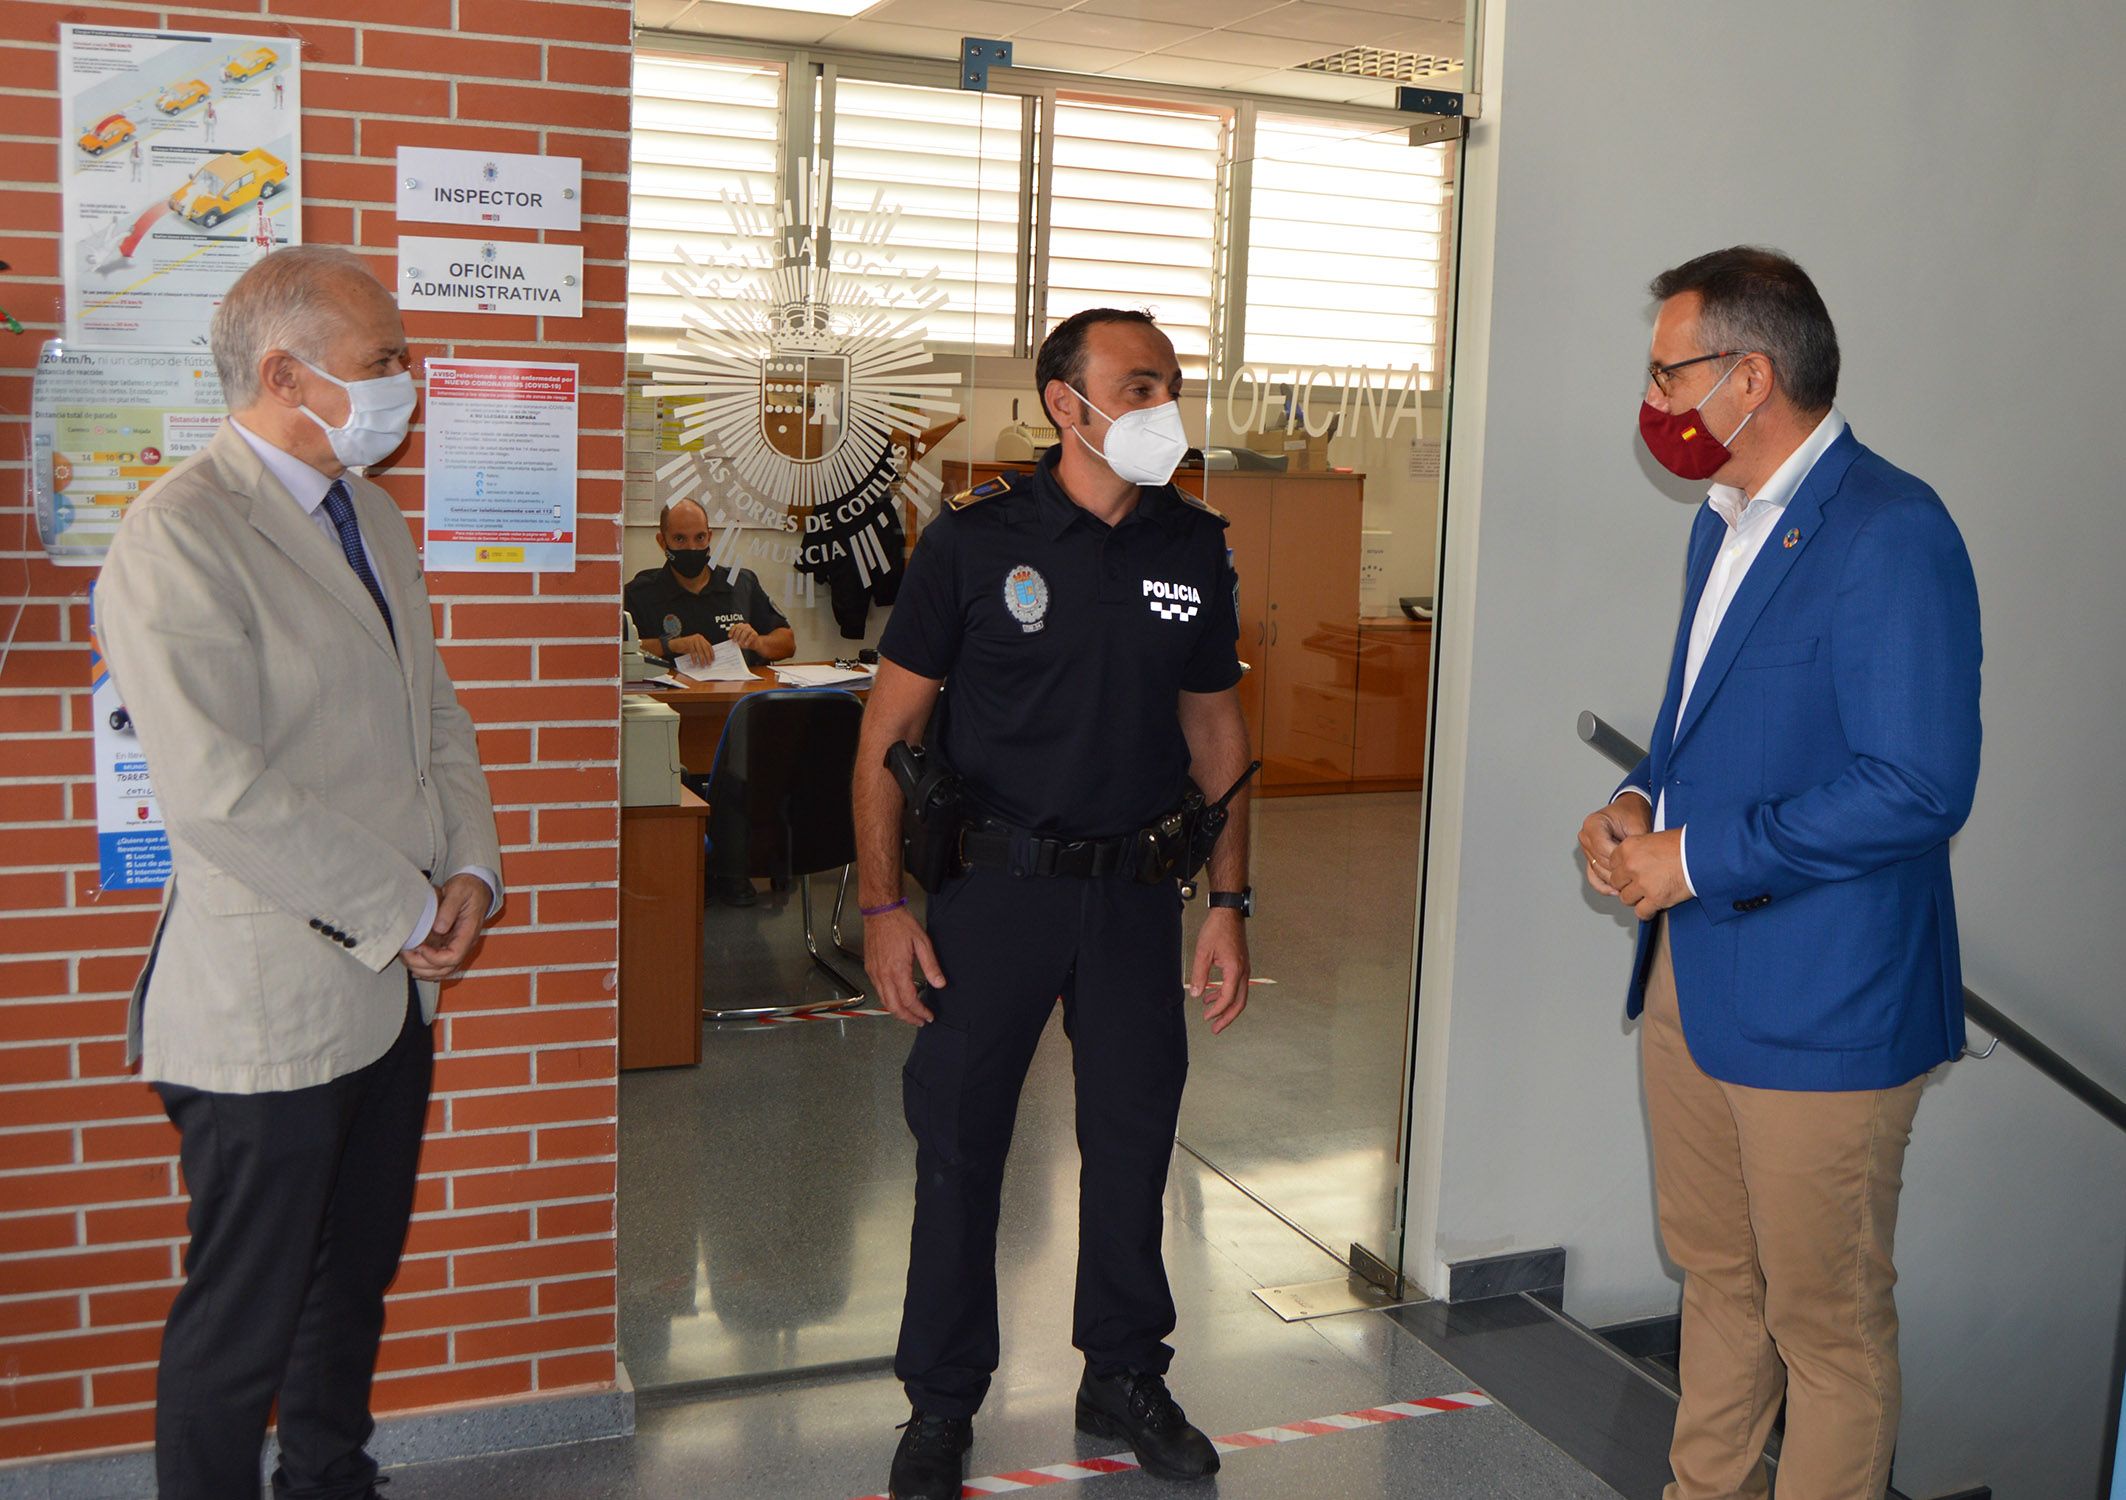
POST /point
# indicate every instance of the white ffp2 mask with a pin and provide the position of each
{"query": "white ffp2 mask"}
(1143, 446)
(379, 412)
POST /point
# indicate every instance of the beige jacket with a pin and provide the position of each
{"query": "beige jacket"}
(309, 773)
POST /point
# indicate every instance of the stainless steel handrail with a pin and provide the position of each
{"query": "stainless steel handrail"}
(1619, 747)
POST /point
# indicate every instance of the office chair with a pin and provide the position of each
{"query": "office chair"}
(785, 758)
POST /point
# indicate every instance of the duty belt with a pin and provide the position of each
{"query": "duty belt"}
(994, 845)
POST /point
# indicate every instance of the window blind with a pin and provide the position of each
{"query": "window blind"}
(1134, 216)
(1344, 249)
(928, 179)
(701, 128)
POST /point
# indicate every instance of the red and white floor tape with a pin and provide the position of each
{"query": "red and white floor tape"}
(1238, 1442)
(823, 1015)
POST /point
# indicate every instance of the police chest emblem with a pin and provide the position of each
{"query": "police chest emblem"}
(1026, 596)
(1172, 601)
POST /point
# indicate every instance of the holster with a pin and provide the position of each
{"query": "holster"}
(1161, 848)
(933, 815)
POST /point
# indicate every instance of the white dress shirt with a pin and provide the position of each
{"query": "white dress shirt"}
(1749, 524)
(309, 487)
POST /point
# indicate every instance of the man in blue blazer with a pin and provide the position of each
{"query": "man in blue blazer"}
(1786, 847)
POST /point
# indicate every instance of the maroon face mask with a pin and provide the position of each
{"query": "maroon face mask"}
(1680, 442)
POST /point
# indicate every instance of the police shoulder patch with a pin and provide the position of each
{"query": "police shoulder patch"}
(988, 490)
(1197, 502)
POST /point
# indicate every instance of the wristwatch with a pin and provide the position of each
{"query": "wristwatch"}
(1242, 901)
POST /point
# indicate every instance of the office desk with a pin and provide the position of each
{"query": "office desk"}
(704, 706)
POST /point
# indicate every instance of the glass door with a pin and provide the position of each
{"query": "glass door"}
(817, 262)
(1323, 447)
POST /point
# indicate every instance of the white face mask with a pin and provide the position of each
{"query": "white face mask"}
(1143, 446)
(379, 412)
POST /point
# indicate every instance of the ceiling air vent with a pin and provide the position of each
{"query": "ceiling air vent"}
(1381, 62)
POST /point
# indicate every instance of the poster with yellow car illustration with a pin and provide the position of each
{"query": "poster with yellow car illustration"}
(179, 161)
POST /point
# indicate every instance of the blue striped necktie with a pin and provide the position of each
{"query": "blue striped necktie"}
(340, 506)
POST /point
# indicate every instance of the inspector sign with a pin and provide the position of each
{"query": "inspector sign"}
(499, 189)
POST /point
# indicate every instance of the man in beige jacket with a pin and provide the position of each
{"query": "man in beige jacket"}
(334, 857)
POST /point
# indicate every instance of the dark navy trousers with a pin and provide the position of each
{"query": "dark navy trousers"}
(300, 1203)
(1009, 947)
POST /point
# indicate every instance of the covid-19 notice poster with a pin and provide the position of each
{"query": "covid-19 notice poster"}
(501, 467)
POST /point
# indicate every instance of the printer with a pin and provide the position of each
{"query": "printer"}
(649, 752)
(1023, 442)
(634, 666)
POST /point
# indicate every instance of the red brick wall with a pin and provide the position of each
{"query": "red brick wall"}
(508, 1284)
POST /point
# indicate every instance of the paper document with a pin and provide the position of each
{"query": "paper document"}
(727, 664)
(825, 674)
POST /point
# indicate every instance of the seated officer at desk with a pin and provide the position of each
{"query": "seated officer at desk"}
(687, 606)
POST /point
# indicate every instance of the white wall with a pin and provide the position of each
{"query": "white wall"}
(1949, 174)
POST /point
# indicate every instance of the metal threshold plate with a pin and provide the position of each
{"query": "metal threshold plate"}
(1325, 1299)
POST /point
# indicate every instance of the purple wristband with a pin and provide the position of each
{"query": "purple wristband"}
(880, 911)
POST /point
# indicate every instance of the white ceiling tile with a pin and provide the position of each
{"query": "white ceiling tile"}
(1263, 51)
(758, 23)
(983, 18)
(1124, 33)
(1196, 72)
(658, 15)
(1183, 12)
(1329, 24)
(1411, 10)
(1375, 93)
(1343, 88)
(1294, 83)
(1067, 57)
(896, 41)
(1438, 38)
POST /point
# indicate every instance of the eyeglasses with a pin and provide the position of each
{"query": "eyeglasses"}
(1660, 374)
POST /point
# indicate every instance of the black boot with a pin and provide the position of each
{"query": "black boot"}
(1137, 1409)
(931, 1462)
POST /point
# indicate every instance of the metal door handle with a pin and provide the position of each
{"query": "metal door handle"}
(1273, 632)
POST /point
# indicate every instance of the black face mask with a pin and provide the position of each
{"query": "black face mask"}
(688, 562)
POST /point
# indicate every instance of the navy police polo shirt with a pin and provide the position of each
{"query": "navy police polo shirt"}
(655, 595)
(1064, 644)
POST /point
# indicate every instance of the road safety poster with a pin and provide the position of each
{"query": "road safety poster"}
(104, 425)
(179, 156)
(501, 467)
(132, 846)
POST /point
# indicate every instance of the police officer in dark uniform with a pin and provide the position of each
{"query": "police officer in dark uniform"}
(1074, 631)
(687, 607)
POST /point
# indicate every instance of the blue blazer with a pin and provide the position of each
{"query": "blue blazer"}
(1829, 751)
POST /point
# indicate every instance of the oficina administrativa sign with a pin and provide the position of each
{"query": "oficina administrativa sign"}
(497, 276)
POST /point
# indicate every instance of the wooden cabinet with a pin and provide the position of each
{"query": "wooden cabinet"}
(661, 897)
(1310, 691)
(1394, 675)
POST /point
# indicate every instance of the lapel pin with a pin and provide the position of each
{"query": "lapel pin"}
(1790, 539)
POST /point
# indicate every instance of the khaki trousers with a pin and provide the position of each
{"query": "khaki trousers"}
(1781, 1208)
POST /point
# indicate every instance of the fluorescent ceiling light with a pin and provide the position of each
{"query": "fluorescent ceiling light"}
(814, 7)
